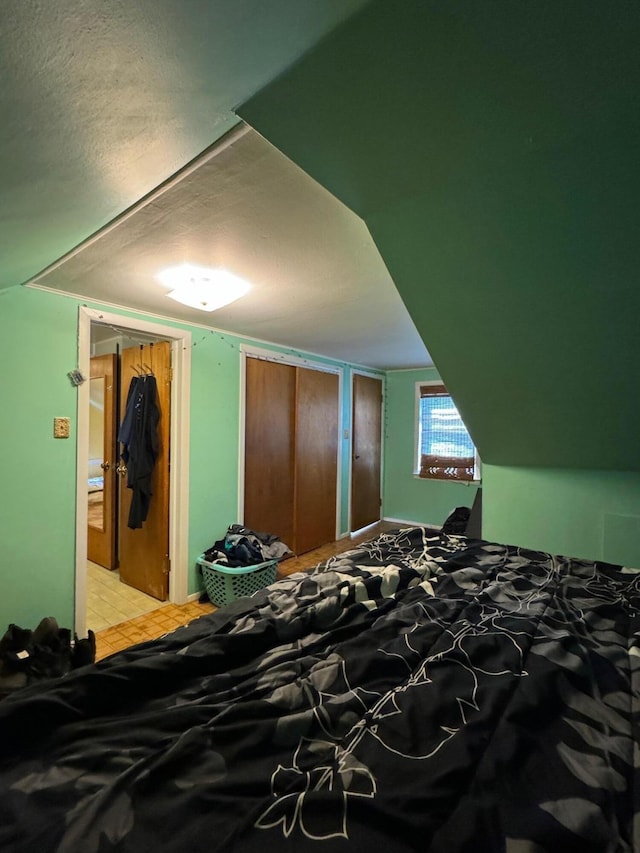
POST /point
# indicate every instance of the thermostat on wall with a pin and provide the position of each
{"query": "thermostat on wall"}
(61, 427)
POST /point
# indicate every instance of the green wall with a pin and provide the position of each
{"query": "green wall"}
(594, 515)
(589, 514)
(405, 496)
(492, 151)
(37, 501)
(38, 331)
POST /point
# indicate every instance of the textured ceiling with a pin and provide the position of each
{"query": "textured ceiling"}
(101, 102)
(319, 283)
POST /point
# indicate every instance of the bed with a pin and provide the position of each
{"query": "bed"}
(420, 692)
(95, 480)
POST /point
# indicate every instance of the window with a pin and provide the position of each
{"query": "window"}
(444, 450)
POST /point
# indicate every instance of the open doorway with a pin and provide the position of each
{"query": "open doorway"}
(136, 567)
(127, 542)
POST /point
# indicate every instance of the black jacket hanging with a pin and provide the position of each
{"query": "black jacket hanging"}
(139, 437)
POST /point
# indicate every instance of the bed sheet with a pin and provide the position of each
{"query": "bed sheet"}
(420, 692)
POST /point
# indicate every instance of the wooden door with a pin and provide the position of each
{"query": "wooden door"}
(366, 444)
(144, 552)
(101, 493)
(316, 458)
(269, 448)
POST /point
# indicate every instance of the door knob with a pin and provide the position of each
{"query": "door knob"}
(121, 469)
(105, 465)
(357, 456)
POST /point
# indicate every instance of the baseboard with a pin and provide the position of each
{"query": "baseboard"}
(407, 522)
(364, 529)
(195, 596)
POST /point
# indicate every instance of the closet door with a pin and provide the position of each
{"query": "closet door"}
(316, 458)
(269, 448)
(367, 443)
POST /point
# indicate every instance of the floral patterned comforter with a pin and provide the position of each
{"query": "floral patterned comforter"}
(416, 693)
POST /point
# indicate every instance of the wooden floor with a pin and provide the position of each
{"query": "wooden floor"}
(170, 616)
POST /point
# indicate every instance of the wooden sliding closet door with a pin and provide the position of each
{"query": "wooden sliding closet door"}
(291, 453)
(316, 458)
(269, 448)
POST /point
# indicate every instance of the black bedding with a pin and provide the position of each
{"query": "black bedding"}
(416, 693)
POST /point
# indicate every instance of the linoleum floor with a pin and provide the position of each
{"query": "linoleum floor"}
(110, 602)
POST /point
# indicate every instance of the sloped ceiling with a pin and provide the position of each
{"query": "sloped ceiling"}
(115, 117)
(318, 281)
(101, 102)
(492, 150)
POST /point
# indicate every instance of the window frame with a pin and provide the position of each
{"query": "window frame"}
(417, 457)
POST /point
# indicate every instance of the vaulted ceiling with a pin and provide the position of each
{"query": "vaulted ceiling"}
(318, 281)
(103, 104)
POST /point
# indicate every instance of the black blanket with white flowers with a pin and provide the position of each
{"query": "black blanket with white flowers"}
(416, 693)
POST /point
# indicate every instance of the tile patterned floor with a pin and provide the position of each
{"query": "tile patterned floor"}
(163, 619)
(149, 626)
(110, 602)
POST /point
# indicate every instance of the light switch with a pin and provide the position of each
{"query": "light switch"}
(61, 427)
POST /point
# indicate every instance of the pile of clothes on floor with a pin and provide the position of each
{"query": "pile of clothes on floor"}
(48, 652)
(242, 546)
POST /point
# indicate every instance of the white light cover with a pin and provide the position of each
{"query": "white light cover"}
(202, 287)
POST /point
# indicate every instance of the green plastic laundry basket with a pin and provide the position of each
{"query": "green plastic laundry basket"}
(225, 584)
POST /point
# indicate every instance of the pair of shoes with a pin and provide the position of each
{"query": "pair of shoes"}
(27, 656)
(51, 655)
(54, 643)
(47, 652)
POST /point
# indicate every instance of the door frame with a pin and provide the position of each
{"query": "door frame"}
(250, 351)
(179, 438)
(381, 377)
(103, 540)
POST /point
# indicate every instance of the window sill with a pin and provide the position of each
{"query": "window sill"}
(477, 483)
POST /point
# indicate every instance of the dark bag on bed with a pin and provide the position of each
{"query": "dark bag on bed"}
(456, 522)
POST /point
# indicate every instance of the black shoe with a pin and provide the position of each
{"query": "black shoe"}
(16, 647)
(46, 632)
(84, 651)
(51, 655)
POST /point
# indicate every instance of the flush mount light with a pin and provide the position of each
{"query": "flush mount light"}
(203, 288)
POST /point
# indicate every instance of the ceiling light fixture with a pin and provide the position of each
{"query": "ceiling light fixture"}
(202, 287)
